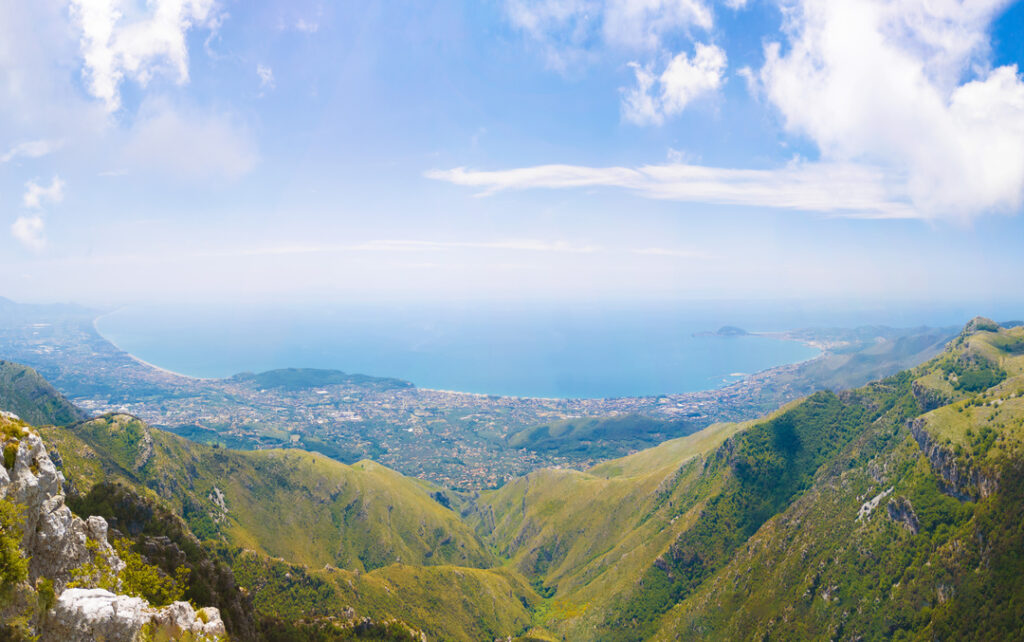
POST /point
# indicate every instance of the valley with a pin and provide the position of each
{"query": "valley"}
(891, 510)
(458, 440)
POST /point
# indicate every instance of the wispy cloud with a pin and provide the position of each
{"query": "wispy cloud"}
(678, 253)
(36, 195)
(31, 149)
(838, 189)
(266, 75)
(409, 245)
(190, 144)
(307, 26)
(569, 32)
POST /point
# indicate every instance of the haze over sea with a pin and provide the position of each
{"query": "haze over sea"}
(543, 351)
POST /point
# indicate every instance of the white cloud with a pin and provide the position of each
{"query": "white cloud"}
(838, 189)
(905, 87)
(192, 145)
(30, 230)
(307, 26)
(121, 40)
(409, 245)
(652, 100)
(642, 24)
(36, 196)
(266, 75)
(569, 32)
(30, 149)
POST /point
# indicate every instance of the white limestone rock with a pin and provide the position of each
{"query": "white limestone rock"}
(83, 615)
(57, 542)
(53, 538)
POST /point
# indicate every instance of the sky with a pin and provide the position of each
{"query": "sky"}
(511, 150)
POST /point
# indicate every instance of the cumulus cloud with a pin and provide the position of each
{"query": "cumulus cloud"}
(121, 39)
(906, 87)
(189, 144)
(569, 31)
(653, 99)
(37, 196)
(30, 149)
(900, 98)
(30, 231)
(838, 189)
(266, 75)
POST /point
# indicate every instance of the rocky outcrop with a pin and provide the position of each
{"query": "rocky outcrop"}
(959, 477)
(929, 398)
(82, 615)
(56, 542)
(901, 511)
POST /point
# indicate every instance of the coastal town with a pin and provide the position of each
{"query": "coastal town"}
(460, 440)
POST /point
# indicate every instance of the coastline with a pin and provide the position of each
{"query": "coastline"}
(137, 359)
(724, 384)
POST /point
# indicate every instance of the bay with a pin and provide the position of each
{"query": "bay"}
(532, 351)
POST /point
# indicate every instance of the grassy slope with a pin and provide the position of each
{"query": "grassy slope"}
(738, 531)
(296, 505)
(25, 393)
(633, 545)
(315, 513)
(587, 535)
(445, 602)
(953, 569)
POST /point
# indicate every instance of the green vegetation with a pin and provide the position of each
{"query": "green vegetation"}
(361, 517)
(303, 378)
(893, 511)
(600, 437)
(13, 565)
(32, 398)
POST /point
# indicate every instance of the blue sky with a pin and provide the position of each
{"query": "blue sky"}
(194, 150)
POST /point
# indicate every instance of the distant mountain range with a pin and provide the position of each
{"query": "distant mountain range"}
(892, 510)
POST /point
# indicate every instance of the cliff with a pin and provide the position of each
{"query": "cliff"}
(60, 575)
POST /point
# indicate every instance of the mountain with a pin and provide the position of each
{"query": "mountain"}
(892, 510)
(310, 539)
(25, 393)
(358, 517)
(60, 578)
(305, 378)
(889, 511)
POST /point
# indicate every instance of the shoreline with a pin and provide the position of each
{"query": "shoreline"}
(139, 360)
(778, 336)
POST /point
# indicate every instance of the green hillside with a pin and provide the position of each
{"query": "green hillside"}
(300, 506)
(893, 511)
(752, 531)
(25, 393)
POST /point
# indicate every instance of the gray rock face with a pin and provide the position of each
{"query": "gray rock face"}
(82, 615)
(960, 479)
(54, 539)
(57, 542)
(901, 511)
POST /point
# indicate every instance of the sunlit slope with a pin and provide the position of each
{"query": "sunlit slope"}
(25, 393)
(300, 506)
(445, 602)
(622, 548)
(915, 532)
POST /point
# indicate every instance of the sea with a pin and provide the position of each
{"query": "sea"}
(551, 350)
